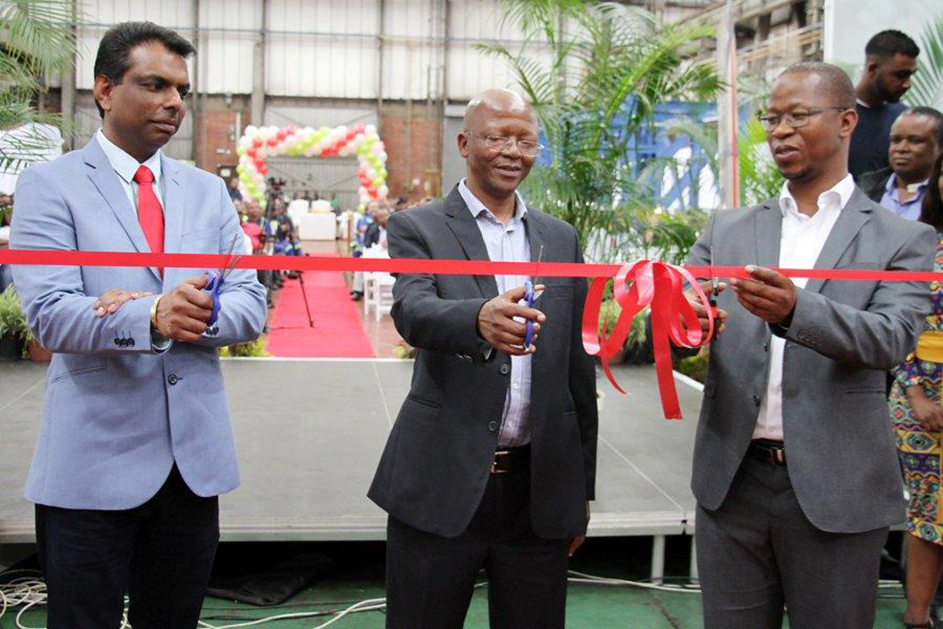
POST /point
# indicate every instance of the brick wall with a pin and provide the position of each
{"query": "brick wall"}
(215, 136)
(414, 150)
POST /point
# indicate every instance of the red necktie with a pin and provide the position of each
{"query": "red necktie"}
(150, 213)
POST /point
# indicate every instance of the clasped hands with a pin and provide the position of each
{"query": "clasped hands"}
(182, 313)
(769, 295)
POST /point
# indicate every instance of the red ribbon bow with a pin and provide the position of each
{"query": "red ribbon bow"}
(674, 320)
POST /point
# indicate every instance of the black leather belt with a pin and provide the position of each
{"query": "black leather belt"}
(770, 451)
(511, 460)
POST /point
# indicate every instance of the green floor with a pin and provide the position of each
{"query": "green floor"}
(359, 575)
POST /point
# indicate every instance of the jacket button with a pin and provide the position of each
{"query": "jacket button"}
(172, 379)
(505, 370)
(130, 342)
(492, 426)
(757, 399)
(118, 342)
(766, 346)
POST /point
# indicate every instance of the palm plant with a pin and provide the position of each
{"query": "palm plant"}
(37, 42)
(598, 90)
(927, 86)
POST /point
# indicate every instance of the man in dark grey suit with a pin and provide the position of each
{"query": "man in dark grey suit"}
(795, 469)
(492, 460)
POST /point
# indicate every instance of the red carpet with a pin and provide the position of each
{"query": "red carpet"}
(337, 330)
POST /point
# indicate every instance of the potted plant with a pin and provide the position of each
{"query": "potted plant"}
(14, 331)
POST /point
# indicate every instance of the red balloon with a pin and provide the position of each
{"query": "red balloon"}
(257, 142)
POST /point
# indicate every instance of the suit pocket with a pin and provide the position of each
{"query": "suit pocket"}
(81, 371)
(866, 391)
(199, 235)
(422, 401)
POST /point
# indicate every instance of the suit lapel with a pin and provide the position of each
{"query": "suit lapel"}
(852, 217)
(106, 181)
(173, 205)
(769, 229)
(462, 224)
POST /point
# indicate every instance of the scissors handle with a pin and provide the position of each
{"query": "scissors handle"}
(213, 286)
(529, 299)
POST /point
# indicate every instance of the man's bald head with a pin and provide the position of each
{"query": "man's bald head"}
(496, 102)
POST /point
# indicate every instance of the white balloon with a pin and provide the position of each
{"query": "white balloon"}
(370, 129)
(383, 156)
(383, 191)
(251, 130)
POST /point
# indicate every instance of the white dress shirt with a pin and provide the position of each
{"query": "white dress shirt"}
(126, 166)
(507, 243)
(802, 240)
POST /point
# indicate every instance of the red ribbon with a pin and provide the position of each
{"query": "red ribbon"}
(637, 286)
(660, 286)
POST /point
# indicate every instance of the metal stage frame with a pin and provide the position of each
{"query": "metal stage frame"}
(309, 433)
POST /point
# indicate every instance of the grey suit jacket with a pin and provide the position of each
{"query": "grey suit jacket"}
(843, 337)
(117, 416)
(437, 460)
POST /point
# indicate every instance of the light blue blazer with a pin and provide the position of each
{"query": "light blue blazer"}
(117, 414)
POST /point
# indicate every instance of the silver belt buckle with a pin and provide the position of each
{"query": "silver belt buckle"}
(494, 463)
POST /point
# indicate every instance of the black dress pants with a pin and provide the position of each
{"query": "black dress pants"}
(430, 579)
(160, 554)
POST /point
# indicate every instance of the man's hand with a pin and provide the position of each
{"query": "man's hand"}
(928, 413)
(497, 326)
(182, 314)
(113, 299)
(720, 321)
(769, 295)
(578, 541)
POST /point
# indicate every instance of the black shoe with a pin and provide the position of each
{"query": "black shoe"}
(927, 625)
(356, 295)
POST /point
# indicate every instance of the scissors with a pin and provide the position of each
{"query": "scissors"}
(529, 299)
(715, 281)
(219, 277)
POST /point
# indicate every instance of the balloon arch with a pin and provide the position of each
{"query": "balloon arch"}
(260, 143)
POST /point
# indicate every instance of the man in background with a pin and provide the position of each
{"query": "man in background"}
(890, 61)
(916, 140)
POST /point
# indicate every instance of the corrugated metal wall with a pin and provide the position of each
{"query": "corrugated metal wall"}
(324, 48)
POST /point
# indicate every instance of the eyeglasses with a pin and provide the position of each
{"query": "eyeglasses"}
(795, 119)
(500, 142)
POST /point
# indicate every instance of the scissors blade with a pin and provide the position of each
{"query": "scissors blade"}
(715, 281)
(233, 257)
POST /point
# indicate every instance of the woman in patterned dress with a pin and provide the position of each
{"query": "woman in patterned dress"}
(917, 414)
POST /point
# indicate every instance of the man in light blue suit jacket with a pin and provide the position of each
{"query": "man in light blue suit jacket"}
(136, 442)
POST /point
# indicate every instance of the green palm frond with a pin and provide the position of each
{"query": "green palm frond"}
(927, 86)
(37, 33)
(613, 62)
(36, 41)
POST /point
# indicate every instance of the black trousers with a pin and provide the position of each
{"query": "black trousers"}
(160, 554)
(758, 554)
(430, 579)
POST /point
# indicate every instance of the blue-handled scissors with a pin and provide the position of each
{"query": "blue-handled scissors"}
(529, 298)
(219, 277)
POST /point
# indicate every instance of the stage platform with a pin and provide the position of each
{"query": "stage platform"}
(309, 433)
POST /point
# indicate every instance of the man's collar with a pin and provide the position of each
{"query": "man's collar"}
(476, 207)
(913, 188)
(841, 190)
(125, 165)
